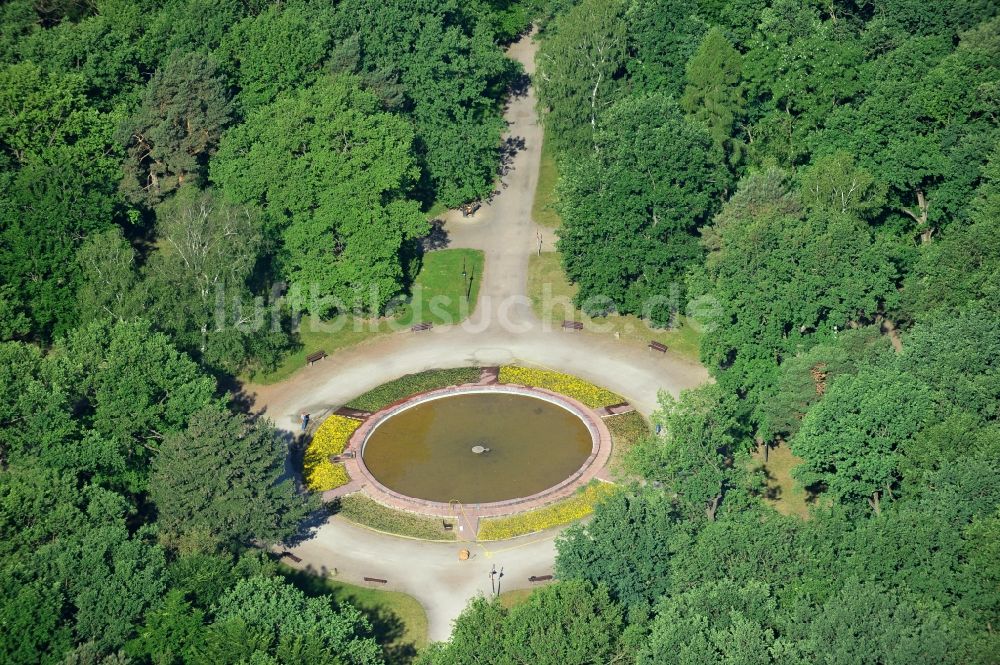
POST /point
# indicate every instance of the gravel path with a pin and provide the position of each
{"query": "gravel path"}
(503, 329)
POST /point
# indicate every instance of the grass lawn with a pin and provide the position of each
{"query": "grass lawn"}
(437, 208)
(787, 497)
(549, 290)
(542, 209)
(438, 297)
(398, 621)
(440, 294)
(509, 599)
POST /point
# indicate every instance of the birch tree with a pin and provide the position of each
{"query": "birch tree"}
(578, 70)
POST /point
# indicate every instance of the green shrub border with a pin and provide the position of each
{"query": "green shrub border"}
(382, 396)
(367, 512)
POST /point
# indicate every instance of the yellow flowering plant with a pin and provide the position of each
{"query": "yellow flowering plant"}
(568, 510)
(566, 384)
(331, 438)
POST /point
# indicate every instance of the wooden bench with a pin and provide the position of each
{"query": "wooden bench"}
(421, 326)
(376, 580)
(656, 346)
(447, 526)
(291, 556)
(539, 578)
(572, 325)
(314, 357)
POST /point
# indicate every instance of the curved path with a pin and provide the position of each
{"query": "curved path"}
(502, 329)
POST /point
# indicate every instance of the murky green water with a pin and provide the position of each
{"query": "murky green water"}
(426, 450)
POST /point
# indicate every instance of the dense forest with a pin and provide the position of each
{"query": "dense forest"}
(160, 162)
(819, 178)
(822, 179)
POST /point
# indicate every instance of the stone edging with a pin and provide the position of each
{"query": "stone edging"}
(598, 459)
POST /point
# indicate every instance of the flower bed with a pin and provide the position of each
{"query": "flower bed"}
(384, 395)
(330, 439)
(578, 389)
(359, 508)
(562, 512)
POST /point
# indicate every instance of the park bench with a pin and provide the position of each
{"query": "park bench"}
(291, 556)
(572, 325)
(376, 580)
(314, 357)
(539, 578)
(470, 208)
(447, 526)
(656, 346)
(421, 326)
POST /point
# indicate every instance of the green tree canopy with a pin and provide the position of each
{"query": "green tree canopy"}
(331, 171)
(131, 388)
(712, 623)
(570, 623)
(636, 575)
(785, 280)
(438, 62)
(662, 36)
(579, 67)
(264, 619)
(89, 578)
(714, 94)
(108, 276)
(963, 266)
(56, 187)
(224, 475)
(924, 125)
(183, 111)
(278, 50)
(852, 440)
(630, 216)
(693, 457)
(197, 283)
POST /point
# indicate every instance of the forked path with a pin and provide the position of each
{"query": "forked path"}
(502, 329)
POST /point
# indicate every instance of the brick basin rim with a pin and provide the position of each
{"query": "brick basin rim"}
(600, 452)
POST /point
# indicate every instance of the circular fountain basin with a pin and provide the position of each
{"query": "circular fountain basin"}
(478, 446)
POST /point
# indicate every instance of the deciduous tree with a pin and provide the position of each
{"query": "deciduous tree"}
(579, 67)
(696, 456)
(264, 619)
(630, 216)
(331, 171)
